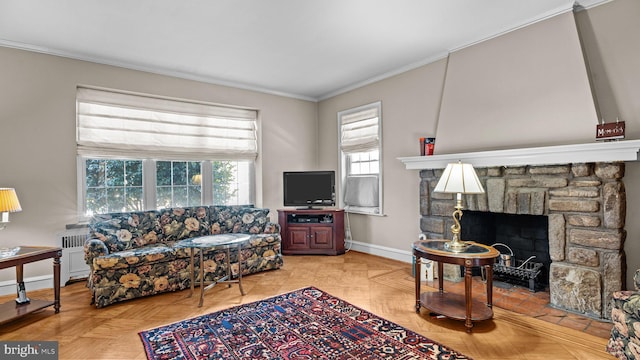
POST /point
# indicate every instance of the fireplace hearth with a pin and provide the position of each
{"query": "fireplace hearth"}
(584, 205)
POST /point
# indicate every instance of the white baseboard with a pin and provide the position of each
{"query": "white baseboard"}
(386, 252)
(32, 283)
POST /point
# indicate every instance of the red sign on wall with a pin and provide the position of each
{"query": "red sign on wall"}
(610, 131)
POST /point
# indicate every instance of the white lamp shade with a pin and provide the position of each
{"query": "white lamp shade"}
(9, 200)
(459, 178)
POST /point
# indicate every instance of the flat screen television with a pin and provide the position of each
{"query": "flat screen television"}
(309, 189)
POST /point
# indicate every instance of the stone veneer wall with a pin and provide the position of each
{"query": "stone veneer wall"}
(586, 206)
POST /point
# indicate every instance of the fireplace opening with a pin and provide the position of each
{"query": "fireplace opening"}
(522, 239)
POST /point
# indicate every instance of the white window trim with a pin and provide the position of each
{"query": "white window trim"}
(343, 164)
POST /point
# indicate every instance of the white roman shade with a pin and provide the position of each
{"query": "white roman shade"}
(360, 130)
(112, 123)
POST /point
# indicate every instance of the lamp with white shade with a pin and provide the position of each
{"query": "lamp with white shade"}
(8, 203)
(458, 178)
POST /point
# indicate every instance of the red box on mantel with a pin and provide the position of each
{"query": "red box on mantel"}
(426, 146)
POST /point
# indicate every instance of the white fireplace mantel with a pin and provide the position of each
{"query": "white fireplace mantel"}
(625, 150)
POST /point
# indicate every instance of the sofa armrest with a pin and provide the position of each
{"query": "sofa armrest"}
(94, 248)
(271, 228)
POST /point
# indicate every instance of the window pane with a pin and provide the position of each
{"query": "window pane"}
(106, 189)
(115, 173)
(115, 200)
(195, 195)
(179, 183)
(224, 182)
(179, 173)
(163, 173)
(96, 201)
(95, 173)
(356, 169)
(232, 182)
(193, 171)
(163, 197)
(180, 198)
(375, 167)
(133, 173)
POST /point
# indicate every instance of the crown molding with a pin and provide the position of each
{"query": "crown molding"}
(612, 151)
(149, 69)
(588, 4)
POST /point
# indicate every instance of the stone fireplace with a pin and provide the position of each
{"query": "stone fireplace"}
(585, 205)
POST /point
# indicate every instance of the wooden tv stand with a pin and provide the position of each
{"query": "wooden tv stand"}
(314, 231)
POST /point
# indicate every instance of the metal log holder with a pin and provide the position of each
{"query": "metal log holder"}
(519, 272)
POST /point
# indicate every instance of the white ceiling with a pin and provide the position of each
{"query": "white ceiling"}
(304, 49)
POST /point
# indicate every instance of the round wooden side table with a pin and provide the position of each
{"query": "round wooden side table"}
(451, 305)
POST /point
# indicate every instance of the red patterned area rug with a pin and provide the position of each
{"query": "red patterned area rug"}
(303, 324)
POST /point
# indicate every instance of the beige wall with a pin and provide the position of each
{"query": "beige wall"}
(540, 71)
(37, 137)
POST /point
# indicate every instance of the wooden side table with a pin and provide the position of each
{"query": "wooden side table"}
(451, 305)
(26, 254)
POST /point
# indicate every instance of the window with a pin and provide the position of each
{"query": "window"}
(178, 183)
(113, 185)
(138, 152)
(360, 148)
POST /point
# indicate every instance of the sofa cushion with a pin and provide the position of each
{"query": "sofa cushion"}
(183, 223)
(124, 231)
(135, 257)
(239, 219)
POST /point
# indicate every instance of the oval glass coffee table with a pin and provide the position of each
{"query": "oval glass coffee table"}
(214, 242)
(451, 305)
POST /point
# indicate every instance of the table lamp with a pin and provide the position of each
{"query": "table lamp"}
(8, 203)
(458, 178)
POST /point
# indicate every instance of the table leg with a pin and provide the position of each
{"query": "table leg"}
(193, 270)
(240, 269)
(441, 277)
(201, 278)
(417, 280)
(467, 295)
(229, 272)
(489, 271)
(56, 283)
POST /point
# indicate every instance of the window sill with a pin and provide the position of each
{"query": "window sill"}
(363, 211)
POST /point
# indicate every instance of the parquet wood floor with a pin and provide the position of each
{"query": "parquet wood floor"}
(378, 285)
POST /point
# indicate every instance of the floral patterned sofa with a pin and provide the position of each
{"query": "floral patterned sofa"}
(624, 342)
(131, 254)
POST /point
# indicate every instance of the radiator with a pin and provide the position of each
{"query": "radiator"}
(72, 265)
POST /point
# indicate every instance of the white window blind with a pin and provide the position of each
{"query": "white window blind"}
(360, 130)
(112, 123)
